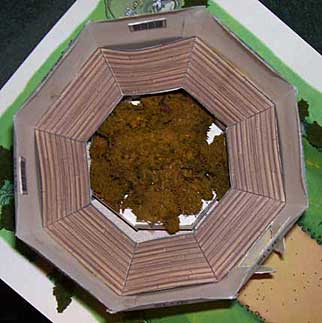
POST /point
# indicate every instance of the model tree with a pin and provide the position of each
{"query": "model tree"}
(6, 189)
(312, 131)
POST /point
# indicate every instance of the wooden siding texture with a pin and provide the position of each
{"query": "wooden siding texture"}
(64, 178)
(236, 223)
(97, 244)
(85, 102)
(254, 157)
(220, 87)
(167, 263)
(150, 70)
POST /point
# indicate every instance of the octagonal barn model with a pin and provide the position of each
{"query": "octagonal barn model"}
(127, 269)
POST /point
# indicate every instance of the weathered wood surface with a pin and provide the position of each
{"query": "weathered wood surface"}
(254, 157)
(220, 87)
(167, 263)
(203, 256)
(64, 178)
(152, 69)
(97, 244)
(236, 223)
(85, 103)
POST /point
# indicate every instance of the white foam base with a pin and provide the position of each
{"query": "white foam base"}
(184, 220)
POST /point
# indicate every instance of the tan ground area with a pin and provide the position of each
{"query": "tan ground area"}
(294, 293)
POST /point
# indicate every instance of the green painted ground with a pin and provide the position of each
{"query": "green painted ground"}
(8, 236)
(219, 312)
(215, 312)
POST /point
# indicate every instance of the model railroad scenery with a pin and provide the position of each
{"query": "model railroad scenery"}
(154, 164)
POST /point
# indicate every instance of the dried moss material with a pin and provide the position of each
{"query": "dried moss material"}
(156, 154)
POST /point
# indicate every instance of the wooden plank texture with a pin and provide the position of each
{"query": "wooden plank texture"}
(102, 248)
(254, 157)
(167, 263)
(220, 87)
(64, 175)
(85, 102)
(151, 69)
(234, 226)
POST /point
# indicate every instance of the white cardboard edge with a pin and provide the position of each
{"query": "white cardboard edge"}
(37, 289)
(34, 286)
(261, 22)
(77, 13)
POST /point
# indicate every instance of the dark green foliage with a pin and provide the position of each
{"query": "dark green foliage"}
(313, 130)
(6, 193)
(6, 165)
(7, 216)
(192, 3)
(314, 134)
(303, 107)
(63, 290)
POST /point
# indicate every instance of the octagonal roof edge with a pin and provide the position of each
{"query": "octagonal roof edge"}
(95, 34)
(234, 50)
(61, 74)
(211, 30)
(27, 204)
(117, 32)
(52, 251)
(291, 145)
(267, 79)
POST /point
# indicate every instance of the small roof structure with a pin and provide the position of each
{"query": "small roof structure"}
(123, 268)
